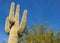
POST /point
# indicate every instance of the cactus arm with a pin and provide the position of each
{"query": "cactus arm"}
(7, 28)
(17, 14)
(11, 13)
(23, 22)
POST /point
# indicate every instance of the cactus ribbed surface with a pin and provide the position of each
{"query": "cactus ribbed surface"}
(12, 26)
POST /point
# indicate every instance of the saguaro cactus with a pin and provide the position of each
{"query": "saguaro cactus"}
(12, 26)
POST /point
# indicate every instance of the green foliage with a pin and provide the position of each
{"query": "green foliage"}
(41, 34)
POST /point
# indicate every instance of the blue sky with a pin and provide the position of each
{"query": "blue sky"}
(38, 12)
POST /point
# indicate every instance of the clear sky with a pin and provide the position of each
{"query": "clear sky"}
(38, 12)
